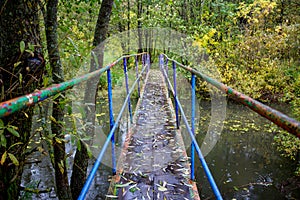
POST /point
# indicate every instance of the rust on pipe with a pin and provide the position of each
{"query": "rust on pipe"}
(289, 124)
(19, 103)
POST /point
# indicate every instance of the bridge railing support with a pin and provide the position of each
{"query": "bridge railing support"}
(175, 94)
(149, 61)
(127, 87)
(111, 120)
(191, 133)
(193, 102)
(289, 124)
(113, 128)
(137, 74)
(164, 66)
(14, 105)
(167, 74)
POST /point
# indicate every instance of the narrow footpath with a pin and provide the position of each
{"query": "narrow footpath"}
(154, 164)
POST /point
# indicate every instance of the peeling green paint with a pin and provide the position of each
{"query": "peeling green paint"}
(16, 104)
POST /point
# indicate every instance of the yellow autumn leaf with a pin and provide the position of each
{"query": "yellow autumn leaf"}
(13, 159)
(53, 119)
(3, 158)
(58, 140)
(61, 167)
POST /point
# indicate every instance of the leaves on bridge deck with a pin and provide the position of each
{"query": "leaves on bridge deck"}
(156, 166)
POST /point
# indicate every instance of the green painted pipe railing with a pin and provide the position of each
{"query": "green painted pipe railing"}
(289, 124)
(16, 104)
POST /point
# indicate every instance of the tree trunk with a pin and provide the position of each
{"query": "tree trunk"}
(20, 73)
(61, 177)
(139, 15)
(128, 26)
(81, 157)
(184, 12)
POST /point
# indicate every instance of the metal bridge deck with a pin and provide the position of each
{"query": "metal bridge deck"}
(154, 163)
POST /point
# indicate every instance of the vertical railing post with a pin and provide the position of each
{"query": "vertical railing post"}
(142, 59)
(167, 74)
(148, 62)
(111, 120)
(167, 60)
(145, 62)
(175, 94)
(137, 74)
(193, 101)
(159, 58)
(161, 62)
(127, 87)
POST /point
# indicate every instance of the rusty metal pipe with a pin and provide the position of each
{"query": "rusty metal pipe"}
(289, 124)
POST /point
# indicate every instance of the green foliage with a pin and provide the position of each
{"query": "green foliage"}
(254, 61)
(22, 46)
(77, 21)
(253, 43)
(289, 146)
(261, 59)
(8, 153)
(11, 129)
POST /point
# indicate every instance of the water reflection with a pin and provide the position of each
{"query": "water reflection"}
(244, 162)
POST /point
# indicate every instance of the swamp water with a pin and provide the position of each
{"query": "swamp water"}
(244, 162)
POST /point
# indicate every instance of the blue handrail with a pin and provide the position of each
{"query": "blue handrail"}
(107, 141)
(14, 105)
(111, 120)
(285, 122)
(127, 87)
(193, 103)
(175, 94)
(194, 141)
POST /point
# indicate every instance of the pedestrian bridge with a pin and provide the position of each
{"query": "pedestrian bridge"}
(153, 163)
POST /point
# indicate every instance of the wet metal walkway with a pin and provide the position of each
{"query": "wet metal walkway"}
(154, 163)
